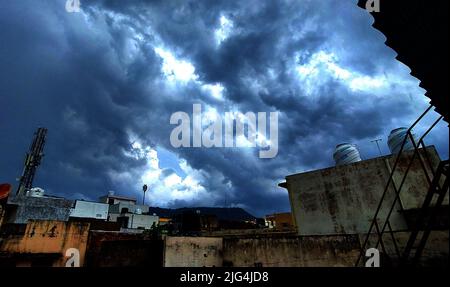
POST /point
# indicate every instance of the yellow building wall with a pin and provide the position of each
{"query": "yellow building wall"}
(47, 236)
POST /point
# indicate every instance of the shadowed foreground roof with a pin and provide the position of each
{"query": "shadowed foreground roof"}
(418, 31)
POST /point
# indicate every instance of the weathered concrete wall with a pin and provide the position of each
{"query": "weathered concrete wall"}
(87, 209)
(324, 250)
(39, 208)
(193, 252)
(343, 199)
(132, 208)
(276, 250)
(435, 253)
(291, 251)
(142, 221)
(246, 232)
(415, 186)
(49, 237)
(136, 220)
(117, 249)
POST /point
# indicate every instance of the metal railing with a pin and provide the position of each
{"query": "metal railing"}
(432, 178)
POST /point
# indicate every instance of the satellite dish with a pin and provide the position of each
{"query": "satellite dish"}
(5, 190)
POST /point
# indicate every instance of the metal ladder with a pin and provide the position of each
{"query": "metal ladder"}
(437, 185)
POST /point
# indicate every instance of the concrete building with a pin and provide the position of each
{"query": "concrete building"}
(43, 243)
(88, 209)
(115, 199)
(22, 208)
(164, 221)
(129, 214)
(343, 199)
(135, 221)
(280, 221)
(129, 207)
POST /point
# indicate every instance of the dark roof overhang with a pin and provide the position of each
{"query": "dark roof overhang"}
(418, 31)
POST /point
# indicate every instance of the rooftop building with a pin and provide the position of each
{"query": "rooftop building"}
(115, 199)
(343, 199)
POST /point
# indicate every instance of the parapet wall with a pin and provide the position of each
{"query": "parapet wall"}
(193, 252)
(278, 250)
(292, 251)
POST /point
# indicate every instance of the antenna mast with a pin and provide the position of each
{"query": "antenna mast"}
(32, 161)
(376, 141)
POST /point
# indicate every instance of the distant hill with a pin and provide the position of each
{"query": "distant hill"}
(222, 213)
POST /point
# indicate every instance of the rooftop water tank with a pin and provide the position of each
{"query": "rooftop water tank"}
(346, 153)
(396, 138)
(36, 192)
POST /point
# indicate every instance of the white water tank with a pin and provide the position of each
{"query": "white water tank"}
(346, 153)
(396, 138)
(36, 192)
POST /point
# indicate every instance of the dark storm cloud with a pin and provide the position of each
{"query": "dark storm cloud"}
(94, 79)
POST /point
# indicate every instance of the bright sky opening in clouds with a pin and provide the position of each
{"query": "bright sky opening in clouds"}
(323, 62)
(215, 90)
(175, 69)
(222, 33)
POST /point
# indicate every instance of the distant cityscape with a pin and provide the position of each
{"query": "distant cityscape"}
(330, 223)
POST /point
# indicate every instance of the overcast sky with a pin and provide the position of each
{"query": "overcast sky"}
(106, 80)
